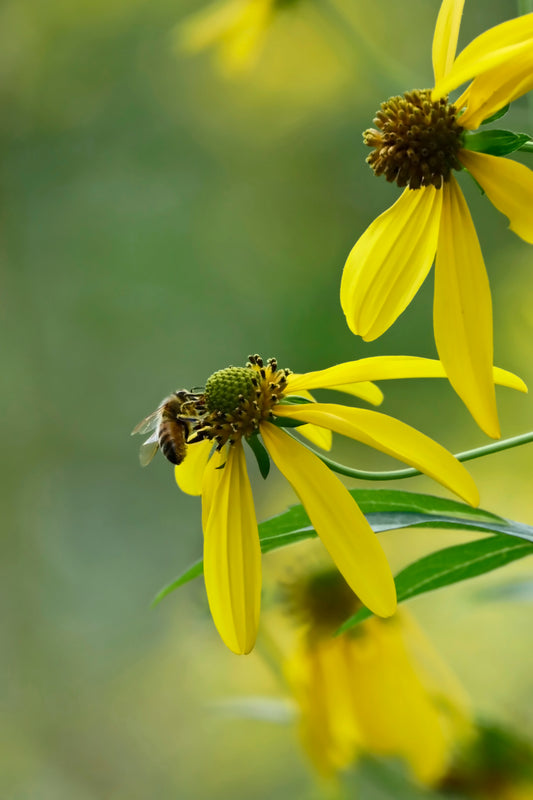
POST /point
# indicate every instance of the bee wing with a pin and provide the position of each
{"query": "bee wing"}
(148, 423)
(148, 449)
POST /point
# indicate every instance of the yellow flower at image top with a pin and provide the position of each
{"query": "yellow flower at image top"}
(380, 689)
(420, 139)
(203, 435)
(235, 28)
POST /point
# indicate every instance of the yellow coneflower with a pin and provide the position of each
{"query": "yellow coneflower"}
(380, 689)
(419, 141)
(242, 403)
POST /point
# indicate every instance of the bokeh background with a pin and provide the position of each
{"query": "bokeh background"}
(161, 220)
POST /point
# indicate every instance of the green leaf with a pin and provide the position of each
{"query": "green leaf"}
(497, 115)
(194, 571)
(295, 400)
(379, 500)
(451, 565)
(527, 147)
(259, 450)
(292, 400)
(285, 422)
(385, 509)
(495, 143)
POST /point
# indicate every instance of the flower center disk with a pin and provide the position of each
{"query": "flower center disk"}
(321, 600)
(238, 399)
(417, 140)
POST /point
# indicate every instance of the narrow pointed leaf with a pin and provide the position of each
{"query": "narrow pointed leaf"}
(259, 450)
(495, 143)
(497, 115)
(451, 565)
(385, 509)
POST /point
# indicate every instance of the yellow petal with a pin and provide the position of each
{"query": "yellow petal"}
(509, 187)
(320, 680)
(364, 390)
(388, 264)
(337, 519)
(443, 684)
(189, 474)
(396, 714)
(491, 49)
(390, 436)
(380, 368)
(445, 36)
(238, 50)
(232, 556)
(209, 25)
(462, 312)
(317, 436)
(494, 89)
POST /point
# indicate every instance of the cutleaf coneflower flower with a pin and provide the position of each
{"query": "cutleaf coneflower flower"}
(420, 139)
(252, 404)
(380, 688)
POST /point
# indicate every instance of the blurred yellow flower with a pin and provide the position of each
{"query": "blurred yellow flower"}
(419, 143)
(236, 28)
(244, 402)
(381, 689)
(494, 763)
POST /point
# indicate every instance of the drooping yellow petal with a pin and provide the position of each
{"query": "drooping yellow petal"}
(239, 49)
(389, 262)
(509, 187)
(234, 27)
(207, 26)
(364, 391)
(232, 556)
(337, 519)
(462, 311)
(320, 436)
(390, 436)
(493, 90)
(491, 49)
(396, 714)
(381, 368)
(445, 36)
(438, 678)
(189, 474)
(319, 677)
(317, 436)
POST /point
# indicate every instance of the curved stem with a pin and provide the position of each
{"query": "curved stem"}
(381, 62)
(411, 472)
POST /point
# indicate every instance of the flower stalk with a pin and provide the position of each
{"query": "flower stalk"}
(398, 474)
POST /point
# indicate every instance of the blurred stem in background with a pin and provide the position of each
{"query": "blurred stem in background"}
(387, 71)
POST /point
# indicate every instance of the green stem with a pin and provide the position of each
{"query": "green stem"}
(527, 147)
(377, 57)
(396, 474)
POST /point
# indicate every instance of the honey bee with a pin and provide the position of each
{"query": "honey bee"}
(171, 425)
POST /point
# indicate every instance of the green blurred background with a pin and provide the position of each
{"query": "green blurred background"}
(161, 221)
